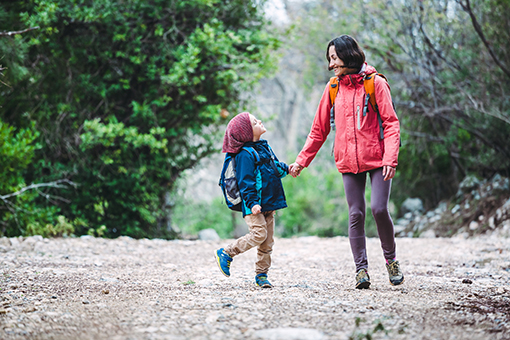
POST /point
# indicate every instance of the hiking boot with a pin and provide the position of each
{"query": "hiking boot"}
(362, 279)
(396, 276)
(223, 259)
(261, 281)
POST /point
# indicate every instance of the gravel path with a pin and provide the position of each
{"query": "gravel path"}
(87, 288)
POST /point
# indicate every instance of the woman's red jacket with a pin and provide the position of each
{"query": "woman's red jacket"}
(358, 147)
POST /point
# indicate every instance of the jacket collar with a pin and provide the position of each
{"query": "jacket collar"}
(358, 77)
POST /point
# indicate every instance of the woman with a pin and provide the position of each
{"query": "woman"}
(359, 150)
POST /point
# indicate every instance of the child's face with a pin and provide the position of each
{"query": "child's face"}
(258, 128)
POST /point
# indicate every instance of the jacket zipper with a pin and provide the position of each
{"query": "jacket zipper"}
(355, 137)
(358, 118)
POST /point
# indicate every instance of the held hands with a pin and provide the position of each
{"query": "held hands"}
(295, 169)
(388, 172)
(255, 210)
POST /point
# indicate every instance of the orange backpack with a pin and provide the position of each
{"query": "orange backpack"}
(368, 83)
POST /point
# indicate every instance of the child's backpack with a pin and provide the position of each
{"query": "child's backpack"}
(368, 83)
(228, 179)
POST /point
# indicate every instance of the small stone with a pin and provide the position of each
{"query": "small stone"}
(467, 281)
(473, 225)
(208, 235)
(106, 291)
(86, 302)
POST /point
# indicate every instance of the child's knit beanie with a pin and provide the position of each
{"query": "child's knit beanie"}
(239, 131)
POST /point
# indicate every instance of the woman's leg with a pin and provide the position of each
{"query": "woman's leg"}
(379, 203)
(354, 186)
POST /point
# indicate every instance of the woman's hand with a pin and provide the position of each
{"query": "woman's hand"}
(388, 172)
(256, 209)
(295, 169)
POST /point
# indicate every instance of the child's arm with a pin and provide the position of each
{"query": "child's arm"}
(246, 180)
(283, 169)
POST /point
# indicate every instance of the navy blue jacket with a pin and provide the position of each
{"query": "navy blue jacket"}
(260, 184)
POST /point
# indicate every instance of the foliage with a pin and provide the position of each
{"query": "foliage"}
(368, 334)
(125, 95)
(63, 227)
(191, 216)
(17, 148)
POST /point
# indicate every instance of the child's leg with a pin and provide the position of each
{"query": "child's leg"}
(354, 186)
(379, 202)
(257, 235)
(265, 249)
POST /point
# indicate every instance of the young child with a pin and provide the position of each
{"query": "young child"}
(261, 191)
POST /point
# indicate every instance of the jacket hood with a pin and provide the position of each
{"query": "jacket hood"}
(358, 77)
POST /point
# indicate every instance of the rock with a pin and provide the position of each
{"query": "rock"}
(14, 242)
(428, 234)
(289, 334)
(240, 230)
(208, 235)
(467, 281)
(499, 184)
(36, 238)
(399, 228)
(473, 225)
(441, 208)
(469, 183)
(4, 241)
(412, 205)
(455, 209)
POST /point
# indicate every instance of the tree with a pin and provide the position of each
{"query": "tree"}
(447, 62)
(127, 94)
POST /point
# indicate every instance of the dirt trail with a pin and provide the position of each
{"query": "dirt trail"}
(87, 288)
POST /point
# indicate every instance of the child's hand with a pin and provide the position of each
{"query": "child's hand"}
(256, 209)
(295, 169)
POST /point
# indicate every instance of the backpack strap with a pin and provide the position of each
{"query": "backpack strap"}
(369, 84)
(254, 153)
(333, 91)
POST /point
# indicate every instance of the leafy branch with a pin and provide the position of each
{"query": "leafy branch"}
(8, 34)
(466, 6)
(54, 184)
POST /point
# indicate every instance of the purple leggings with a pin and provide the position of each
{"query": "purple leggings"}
(354, 186)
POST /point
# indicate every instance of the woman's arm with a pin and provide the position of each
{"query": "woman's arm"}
(390, 123)
(318, 133)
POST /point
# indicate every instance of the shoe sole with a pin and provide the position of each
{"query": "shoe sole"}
(219, 265)
(363, 285)
(264, 285)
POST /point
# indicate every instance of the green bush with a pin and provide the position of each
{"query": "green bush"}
(191, 217)
(62, 227)
(126, 95)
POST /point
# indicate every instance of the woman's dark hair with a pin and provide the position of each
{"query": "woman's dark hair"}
(348, 50)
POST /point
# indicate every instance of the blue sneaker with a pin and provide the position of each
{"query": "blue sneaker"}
(261, 281)
(223, 259)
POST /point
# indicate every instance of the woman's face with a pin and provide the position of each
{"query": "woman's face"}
(336, 63)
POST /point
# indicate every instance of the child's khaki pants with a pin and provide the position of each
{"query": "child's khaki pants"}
(260, 235)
